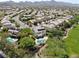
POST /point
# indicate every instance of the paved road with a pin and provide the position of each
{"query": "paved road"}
(16, 18)
(22, 25)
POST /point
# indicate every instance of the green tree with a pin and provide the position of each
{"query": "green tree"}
(26, 42)
(2, 45)
(72, 22)
(55, 33)
(17, 25)
(25, 32)
(66, 25)
(5, 29)
(20, 52)
(12, 20)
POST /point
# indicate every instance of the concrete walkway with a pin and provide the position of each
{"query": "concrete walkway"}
(67, 33)
(38, 54)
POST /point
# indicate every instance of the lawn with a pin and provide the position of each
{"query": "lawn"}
(72, 42)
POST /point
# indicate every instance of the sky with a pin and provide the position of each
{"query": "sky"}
(70, 1)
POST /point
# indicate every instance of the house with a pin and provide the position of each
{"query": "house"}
(6, 23)
(39, 31)
(13, 31)
(5, 20)
(48, 25)
(69, 17)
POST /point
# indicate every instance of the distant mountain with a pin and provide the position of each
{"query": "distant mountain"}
(41, 3)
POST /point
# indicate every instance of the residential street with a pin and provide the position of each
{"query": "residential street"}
(22, 25)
